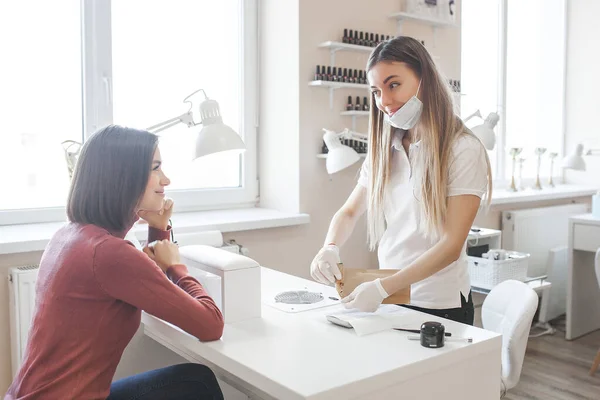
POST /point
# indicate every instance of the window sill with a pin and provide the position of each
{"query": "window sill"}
(34, 237)
(505, 197)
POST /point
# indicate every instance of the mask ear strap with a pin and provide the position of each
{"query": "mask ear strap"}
(419, 87)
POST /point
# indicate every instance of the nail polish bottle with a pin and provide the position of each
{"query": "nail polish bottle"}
(388, 37)
(365, 104)
(340, 75)
(355, 76)
(372, 40)
(459, 89)
(345, 38)
(376, 39)
(356, 37)
(345, 77)
(361, 41)
(318, 74)
(323, 73)
(328, 74)
(350, 37)
(334, 76)
(349, 106)
(357, 105)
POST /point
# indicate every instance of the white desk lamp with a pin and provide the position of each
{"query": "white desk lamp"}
(575, 159)
(340, 156)
(238, 294)
(215, 136)
(485, 131)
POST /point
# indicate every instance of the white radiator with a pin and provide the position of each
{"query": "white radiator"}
(21, 289)
(21, 301)
(538, 230)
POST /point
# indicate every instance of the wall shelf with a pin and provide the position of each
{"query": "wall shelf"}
(435, 23)
(337, 46)
(336, 85)
(404, 16)
(356, 113)
(324, 155)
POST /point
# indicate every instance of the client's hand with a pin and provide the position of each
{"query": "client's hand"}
(164, 253)
(158, 219)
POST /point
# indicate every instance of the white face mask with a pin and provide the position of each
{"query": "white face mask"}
(408, 115)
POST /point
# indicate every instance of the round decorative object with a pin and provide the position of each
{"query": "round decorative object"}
(298, 297)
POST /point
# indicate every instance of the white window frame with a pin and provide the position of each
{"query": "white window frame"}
(98, 111)
(501, 180)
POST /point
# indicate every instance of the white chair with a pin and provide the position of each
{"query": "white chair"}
(509, 309)
(596, 362)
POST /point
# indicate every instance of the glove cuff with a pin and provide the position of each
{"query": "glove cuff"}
(380, 288)
(333, 247)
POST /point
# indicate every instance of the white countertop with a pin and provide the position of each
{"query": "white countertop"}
(35, 237)
(585, 219)
(303, 356)
(504, 197)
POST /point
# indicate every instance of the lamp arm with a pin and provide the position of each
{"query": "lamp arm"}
(359, 137)
(186, 118)
(475, 114)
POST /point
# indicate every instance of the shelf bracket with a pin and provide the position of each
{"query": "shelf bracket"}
(399, 28)
(332, 56)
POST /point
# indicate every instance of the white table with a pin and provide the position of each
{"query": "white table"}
(303, 356)
(583, 293)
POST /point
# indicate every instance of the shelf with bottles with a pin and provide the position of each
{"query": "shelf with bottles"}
(354, 41)
(357, 109)
(333, 85)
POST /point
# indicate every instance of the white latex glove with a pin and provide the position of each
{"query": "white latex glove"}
(366, 297)
(324, 267)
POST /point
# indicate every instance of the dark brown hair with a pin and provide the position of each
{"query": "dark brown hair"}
(110, 177)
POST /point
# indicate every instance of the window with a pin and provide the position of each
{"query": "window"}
(524, 80)
(132, 63)
(40, 100)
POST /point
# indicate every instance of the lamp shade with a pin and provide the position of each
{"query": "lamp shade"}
(485, 131)
(340, 158)
(215, 136)
(575, 159)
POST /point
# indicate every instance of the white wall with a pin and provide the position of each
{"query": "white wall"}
(583, 85)
(291, 118)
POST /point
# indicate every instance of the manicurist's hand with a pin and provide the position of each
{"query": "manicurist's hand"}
(324, 267)
(366, 297)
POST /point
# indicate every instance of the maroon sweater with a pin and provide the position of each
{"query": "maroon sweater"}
(91, 289)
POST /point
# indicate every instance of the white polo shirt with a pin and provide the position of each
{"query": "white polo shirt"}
(402, 243)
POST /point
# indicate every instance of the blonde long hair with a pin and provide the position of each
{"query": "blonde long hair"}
(437, 129)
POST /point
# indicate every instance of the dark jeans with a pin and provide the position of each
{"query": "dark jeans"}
(464, 314)
(182, 382)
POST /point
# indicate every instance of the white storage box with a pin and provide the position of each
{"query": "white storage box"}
(486, 274)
